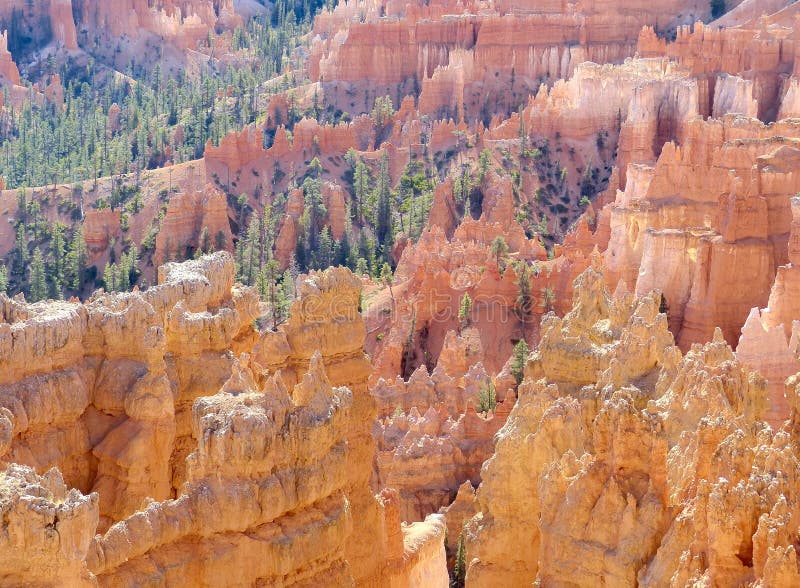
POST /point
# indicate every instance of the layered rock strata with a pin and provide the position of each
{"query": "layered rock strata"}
(211, 453)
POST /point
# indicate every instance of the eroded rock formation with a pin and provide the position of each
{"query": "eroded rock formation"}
(626, 460)
(211, 453)
(466, 57)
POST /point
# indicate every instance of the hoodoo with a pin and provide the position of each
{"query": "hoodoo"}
(399, 294)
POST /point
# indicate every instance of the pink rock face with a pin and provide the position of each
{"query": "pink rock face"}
(335, 199)
(182, 22)
(99, 227)
(679, 229)
(766, 349)
(190, 216)
(756, 47)
(63, 24)
(8, 69)
(463, 58)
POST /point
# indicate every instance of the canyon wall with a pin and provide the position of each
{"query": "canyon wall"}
(468, 61)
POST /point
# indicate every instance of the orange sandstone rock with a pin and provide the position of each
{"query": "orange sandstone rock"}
(141, 399)
(625, 466)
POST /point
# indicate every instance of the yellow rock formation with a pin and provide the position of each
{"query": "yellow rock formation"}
(201, 451)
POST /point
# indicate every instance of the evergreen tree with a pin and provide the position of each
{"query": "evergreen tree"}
(76, 260)
(524, 303)
(21, 254)
(300, 253)
(250, 252)
(3, 279)
(462, 188)
(483, 164)
(38, 280)
(383, 223)
(58, 251)
(464, 311)
(499, 249)
(387, 278)
(110, 277)
(487, 397)
(343, 252)
(460, 568)
(521, 351)
(273, 292)
(549, 296)
(314, 209)
(382, 114)
(220, 241)
(323, 257)
(361, 190)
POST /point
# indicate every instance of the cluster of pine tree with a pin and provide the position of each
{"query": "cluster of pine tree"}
(256, 265)
(156, 117)
(54, 274)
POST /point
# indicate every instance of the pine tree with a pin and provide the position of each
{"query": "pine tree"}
(464, 311)
(273, 292)
(3, 279)
(37, 279)
(361, 189)
(487, 397)
(549, 296)
(76, 260)
(58, 250)
(382, 114)
(383, 222)
(521, 351)
(314, 209)
(110, 277)
(462, 188)
(499, 249)
(483, 164)
(524, 303)
(220, 241)
(21, 254)
(460, 568)
(249, 253)
(324, 255)
(342, 252)
(123, 276)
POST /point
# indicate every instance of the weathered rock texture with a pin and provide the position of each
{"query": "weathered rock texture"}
(627, 462)
(468, 59)
(212, 454)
